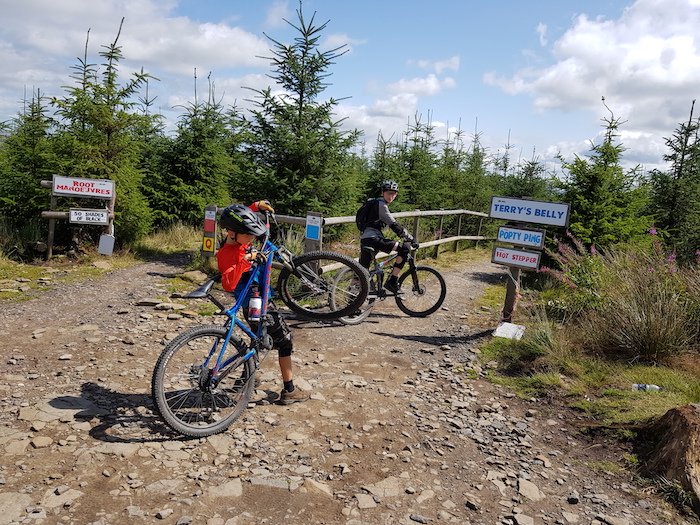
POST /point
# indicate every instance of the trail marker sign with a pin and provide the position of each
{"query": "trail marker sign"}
(523, 259)
(524, 210)
(88, 216)
(89, 188)
(531, 237)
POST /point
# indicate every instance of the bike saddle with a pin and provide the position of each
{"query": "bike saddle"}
(203, 290)
(369, 249)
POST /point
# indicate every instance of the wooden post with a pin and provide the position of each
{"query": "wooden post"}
(440, 224)
(416, 220)
(478, 233)
(455, 247)
(52, 230)
(512, 293)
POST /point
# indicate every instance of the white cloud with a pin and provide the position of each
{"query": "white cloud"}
(439, 66)
(40, 41)
(277, 14)
(646, 65)
(542, 32)
(337, 40)
(422, 87)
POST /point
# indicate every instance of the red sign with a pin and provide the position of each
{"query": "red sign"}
(518, 258)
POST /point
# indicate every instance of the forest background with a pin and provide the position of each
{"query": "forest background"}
(291, 149)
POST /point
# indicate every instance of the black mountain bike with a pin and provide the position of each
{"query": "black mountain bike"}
(422, 289)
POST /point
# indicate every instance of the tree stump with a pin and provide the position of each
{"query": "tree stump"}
(675, 452)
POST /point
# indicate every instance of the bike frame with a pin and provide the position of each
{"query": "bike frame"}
(263, 270)
(378, 270)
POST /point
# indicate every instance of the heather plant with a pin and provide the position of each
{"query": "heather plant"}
(577, 276)
(648, 307)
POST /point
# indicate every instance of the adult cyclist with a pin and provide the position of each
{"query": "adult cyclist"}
(378, 218)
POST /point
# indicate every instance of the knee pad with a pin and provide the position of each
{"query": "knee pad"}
(282, 338)
(403, 249)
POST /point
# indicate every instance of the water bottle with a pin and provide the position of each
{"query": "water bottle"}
(647, 388)
(254, 307)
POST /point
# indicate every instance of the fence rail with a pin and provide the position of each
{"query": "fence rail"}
(416, 215)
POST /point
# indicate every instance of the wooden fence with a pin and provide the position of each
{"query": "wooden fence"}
(310, 244)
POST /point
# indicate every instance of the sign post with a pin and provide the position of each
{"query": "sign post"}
(209, 240)
(103, 189)
(517, 258)
(314, 231)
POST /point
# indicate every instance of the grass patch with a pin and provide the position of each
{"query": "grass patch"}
(547, 363)
(176, 238)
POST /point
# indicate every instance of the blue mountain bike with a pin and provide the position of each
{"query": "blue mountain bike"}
(204, 378)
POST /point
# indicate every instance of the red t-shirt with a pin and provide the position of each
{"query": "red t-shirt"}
(231, 262)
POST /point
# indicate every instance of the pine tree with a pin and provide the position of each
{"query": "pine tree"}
(27, 158)
(675, 194)
(299, 149)
(606, 201)
(96, 137)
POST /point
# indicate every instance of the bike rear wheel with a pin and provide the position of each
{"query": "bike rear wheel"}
(313, 290)
(361, 313)
(423, 291)
(187, 396)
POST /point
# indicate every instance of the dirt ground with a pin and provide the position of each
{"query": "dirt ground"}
(401, 426)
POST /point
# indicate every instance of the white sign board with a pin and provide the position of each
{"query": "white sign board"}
(84, 216)
(523, 210)
(89, 188)
(521, 236)
(313, 227)
(513, 257)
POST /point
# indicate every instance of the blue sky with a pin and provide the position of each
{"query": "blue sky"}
(531, 71)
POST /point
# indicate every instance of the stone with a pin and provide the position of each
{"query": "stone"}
(365, 501)
(319, 487)
(230, 489)
(13, 505)
(529, 490)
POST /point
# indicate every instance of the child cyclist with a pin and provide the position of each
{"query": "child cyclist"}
(379, 218)
(234, 259)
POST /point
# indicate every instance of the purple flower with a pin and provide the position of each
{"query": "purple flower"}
(593, 250)
(653, 231)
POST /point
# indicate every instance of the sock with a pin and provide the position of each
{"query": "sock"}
(393, 278)
(289, 386)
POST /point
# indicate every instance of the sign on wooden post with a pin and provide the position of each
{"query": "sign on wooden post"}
(314, 231)
(209, 240)
(517, 258)
(103, 189)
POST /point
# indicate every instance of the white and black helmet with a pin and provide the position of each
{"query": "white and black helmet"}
(389, 185)
(241, 219)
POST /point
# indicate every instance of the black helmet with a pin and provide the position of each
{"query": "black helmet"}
(389, 185)
(242, 219)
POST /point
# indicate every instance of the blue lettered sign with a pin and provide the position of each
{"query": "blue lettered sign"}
(522, 236)
(524, 210)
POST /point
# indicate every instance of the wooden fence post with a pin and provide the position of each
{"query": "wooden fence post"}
(439, 235)
(512, 293)
(455, 246)
(52, 229)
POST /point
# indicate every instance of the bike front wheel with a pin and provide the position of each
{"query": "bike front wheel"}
(423, 291)
(189, 395)
(359, 315)
(312, 288)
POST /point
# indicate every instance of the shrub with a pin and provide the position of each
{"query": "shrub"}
(577, 278)
(648, 305)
